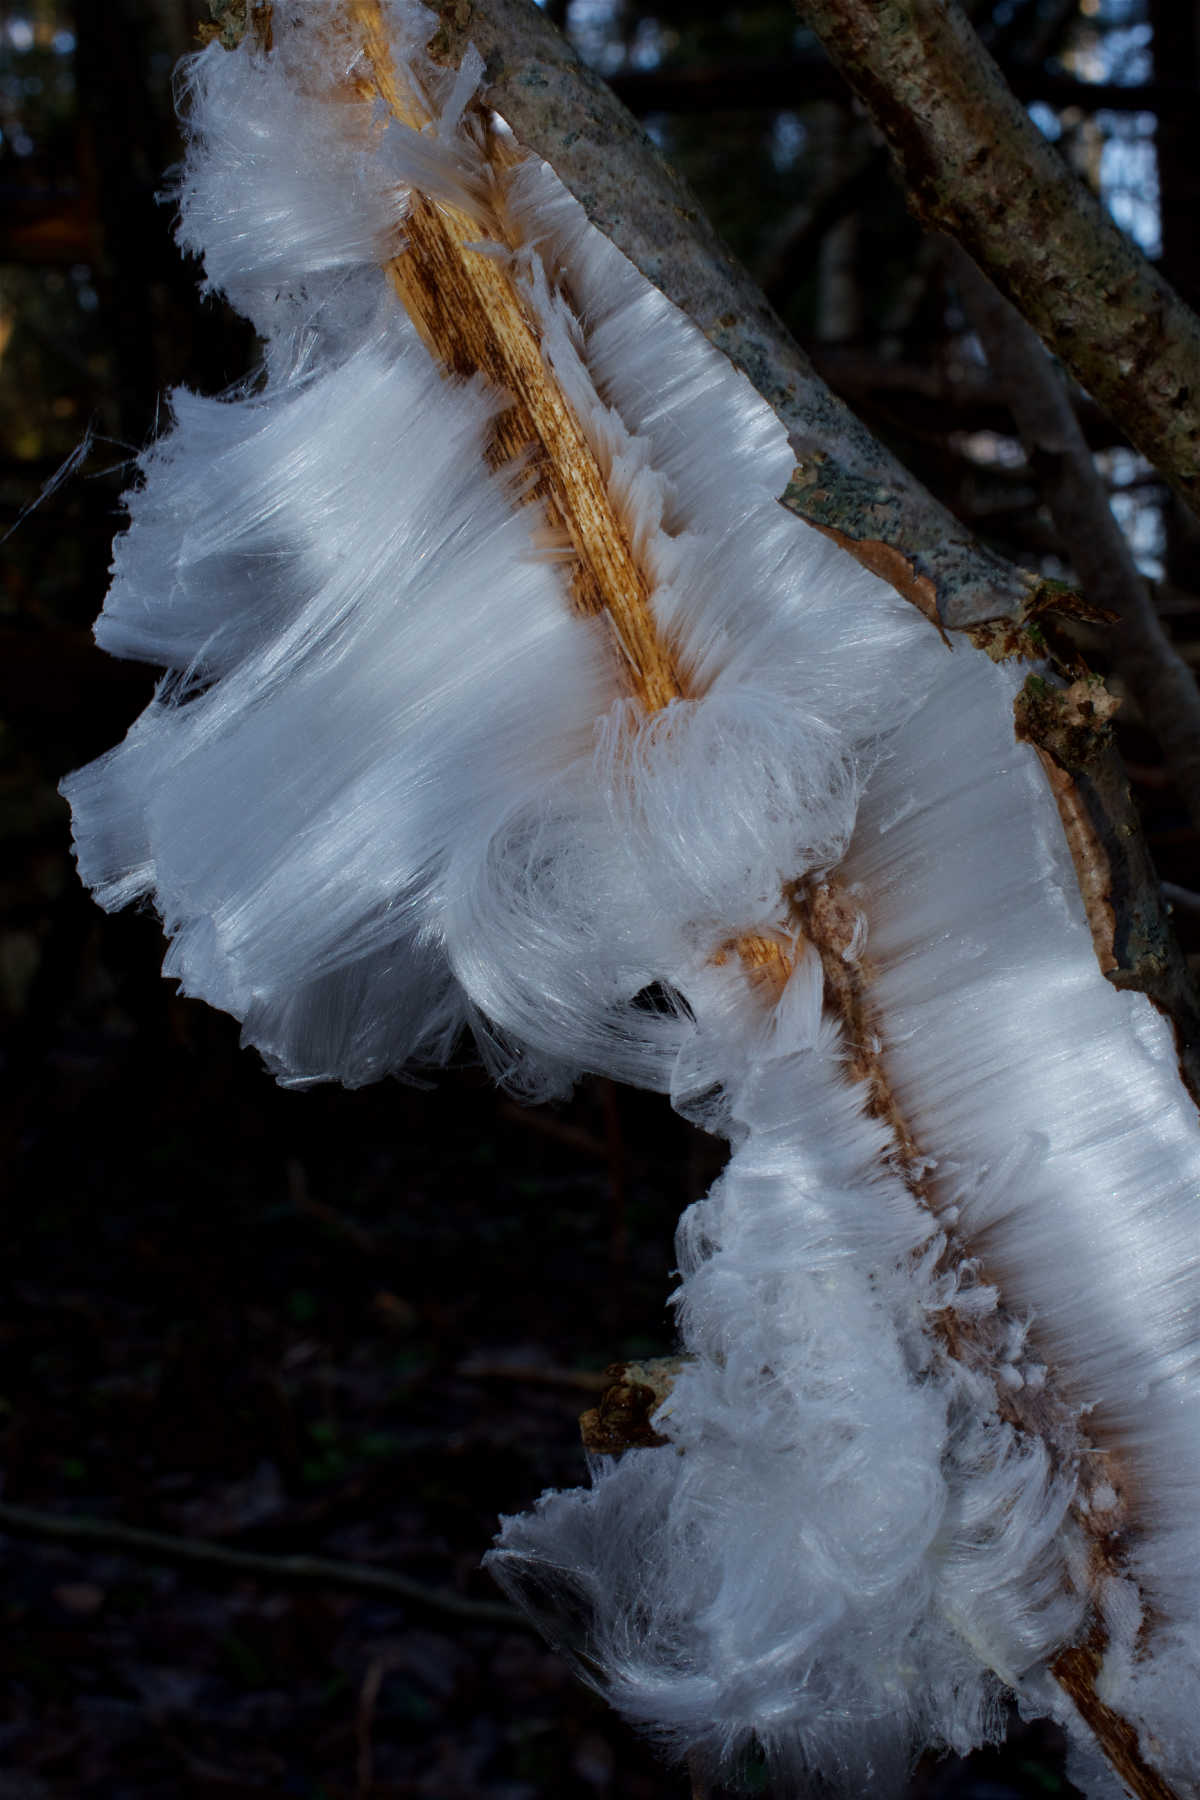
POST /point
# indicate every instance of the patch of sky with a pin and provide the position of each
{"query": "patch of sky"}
(1136, 497)
(1110, 42)
(1114, 12)
(593, 27)
(1129, 55)
(1145, 531)
(1135, 492)
(1046, 120)
(989, 449)
(788, 137)
(1129, 176)
(650, 42)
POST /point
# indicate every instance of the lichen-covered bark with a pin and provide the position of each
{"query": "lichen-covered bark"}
(847, 483)
(974, 165)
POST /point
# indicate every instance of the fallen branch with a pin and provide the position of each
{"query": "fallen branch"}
(279, 1571)
(852, 486)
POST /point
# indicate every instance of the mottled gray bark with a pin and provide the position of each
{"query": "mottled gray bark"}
(847, 483)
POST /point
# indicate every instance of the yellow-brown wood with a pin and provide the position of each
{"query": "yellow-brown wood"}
(1077, 1672)
(468, 310)
(470, 313)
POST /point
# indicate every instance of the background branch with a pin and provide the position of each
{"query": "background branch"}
(975, 165)
(1158, 678)
(283, 1571)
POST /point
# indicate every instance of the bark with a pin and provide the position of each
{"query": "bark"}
(974, 165)
(849, 484)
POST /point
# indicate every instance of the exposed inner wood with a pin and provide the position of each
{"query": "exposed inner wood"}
(1091, 865)
(828, 918)
(471, 315)
(469, 311)
(1077, 1671)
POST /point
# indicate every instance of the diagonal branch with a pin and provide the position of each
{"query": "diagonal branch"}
(470, 312)
(975, 165)
(501, 346)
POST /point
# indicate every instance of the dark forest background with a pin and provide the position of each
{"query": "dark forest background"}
(359, 1325)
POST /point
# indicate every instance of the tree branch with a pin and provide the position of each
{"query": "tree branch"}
(975, 165)
(559, 109)
(851, 486)
(846, 483)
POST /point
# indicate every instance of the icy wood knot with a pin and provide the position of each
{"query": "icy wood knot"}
(1072, 724)
(622, 1419)
(232, 19)
(832, 917)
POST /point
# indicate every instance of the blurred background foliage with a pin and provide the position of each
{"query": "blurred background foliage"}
(363, 1323)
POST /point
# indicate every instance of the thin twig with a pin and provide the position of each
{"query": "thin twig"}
(578, 1381)
(1181, 900)
(279, 1571)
